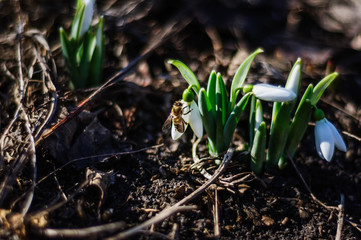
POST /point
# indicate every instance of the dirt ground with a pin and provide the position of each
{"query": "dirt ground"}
(110, 162)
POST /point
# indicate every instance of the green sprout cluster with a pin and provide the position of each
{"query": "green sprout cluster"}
(220, 112)
(83, 50)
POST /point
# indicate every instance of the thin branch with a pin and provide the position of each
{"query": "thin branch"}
(96, 231)
(340, 218)
(196, 160)
(30, 150)
(217, 230)
(308, 188)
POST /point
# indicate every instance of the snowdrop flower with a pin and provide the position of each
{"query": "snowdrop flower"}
(190, 115)
(272, 93)
(87, 16)
(185, 112)
(327, 137)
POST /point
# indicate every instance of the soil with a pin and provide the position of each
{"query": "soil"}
(111, 162)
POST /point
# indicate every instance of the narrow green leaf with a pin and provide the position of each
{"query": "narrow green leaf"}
(212, 149)
(321, 87)
(211, 88)
(96, 68)
(233, 119)
(187, 74)
(241, 75)
(64, 44)
(208, 119)
(77, 21)
(307, 95)
(252, 120)
(258, 149)
(225, 101)
(299, 123)
(219, 113)
(278, 133)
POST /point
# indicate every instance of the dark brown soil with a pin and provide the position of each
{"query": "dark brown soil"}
(112, 163)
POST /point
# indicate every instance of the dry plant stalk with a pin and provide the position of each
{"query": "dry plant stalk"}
(35, 101)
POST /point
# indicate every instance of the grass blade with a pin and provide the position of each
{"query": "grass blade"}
(187, 74)
(241, 75)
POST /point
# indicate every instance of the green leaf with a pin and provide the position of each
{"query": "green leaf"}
(258, 149)
(96, 66)
(233, 119)
(241, 75)
(321, 87)
(205, 110)
(219, 113)
(77, 21)
(225, 101)
(307, 95)
(187, 74)
(211, 87)
(278, 133)
(299, 123)
(64, 40)
(85, 60)
(252, 120)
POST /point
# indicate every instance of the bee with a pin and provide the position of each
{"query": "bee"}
(176, 116)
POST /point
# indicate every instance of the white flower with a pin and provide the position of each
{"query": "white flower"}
(327, 138)
(192, 116)
(87, 16)
(195, 120)
(272, 93)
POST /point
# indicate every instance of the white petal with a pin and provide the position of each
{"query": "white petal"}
(186, 111)
(293, 80)
(87, 17)
(339, 143)
(175, 134)
(195, 120)
(324, 140)
(271, 93)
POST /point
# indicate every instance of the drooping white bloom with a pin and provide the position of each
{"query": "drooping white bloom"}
(190, 116)
(195, 120)
(87, 16)
(175, 134)
(327, 138)
(272, 93)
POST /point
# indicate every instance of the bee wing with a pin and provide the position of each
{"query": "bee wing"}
(167, 123)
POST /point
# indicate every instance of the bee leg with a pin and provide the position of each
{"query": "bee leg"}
(190, 110)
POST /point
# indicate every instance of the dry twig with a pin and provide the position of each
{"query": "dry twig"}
(340, 218)
(217, 230)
